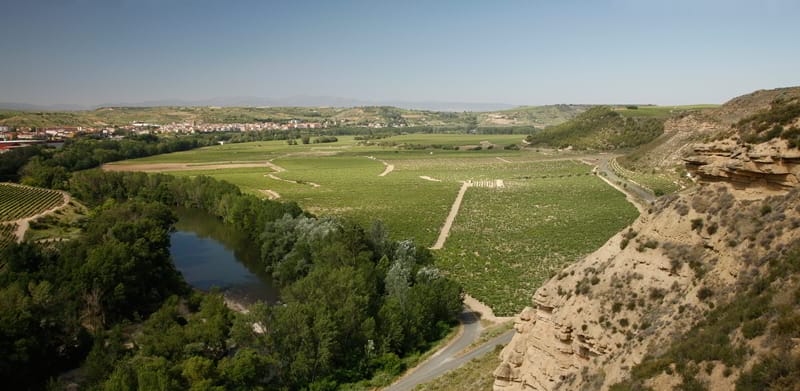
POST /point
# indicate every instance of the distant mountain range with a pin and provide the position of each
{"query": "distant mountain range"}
(294, 101)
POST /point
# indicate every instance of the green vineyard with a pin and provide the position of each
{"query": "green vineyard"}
(7, 234)
(18, 202)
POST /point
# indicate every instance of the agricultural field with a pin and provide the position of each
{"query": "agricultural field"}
(524, 215)
(7, 235)
(18, 201)
(506, 242)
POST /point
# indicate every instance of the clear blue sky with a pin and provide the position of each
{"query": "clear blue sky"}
(518, 52)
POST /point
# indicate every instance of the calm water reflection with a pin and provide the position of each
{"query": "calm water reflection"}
(211, 254)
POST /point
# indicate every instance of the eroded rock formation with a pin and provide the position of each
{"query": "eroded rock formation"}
(771, 165)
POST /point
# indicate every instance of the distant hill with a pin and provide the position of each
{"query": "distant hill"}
(291, 101)
(538, 116)
(600, 128)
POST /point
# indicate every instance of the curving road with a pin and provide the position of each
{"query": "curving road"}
(449, 357)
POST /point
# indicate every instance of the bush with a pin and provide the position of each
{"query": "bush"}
(697, 225)
(704, 293)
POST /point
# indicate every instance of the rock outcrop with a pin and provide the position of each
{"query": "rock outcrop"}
(599, 317)
(771, 165)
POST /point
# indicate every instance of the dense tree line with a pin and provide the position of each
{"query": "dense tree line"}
(353, 301)
(51, 301)
(48, 167)
(599, 128)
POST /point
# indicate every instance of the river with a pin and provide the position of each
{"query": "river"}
(211, 254)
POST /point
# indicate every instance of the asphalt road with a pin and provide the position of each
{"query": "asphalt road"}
(630, 187)
(448, 358)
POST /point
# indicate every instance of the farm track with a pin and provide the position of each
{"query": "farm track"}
(24, 223)
(389, 168)
(448, 223)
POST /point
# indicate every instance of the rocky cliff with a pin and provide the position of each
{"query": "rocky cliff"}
(772, 165)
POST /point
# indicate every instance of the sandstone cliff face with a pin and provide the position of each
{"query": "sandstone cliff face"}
(596, 319)
(771, 165)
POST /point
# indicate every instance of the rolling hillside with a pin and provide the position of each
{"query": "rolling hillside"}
(600, 128)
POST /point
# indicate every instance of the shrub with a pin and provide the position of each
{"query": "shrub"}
(697, 225)
(704, 293)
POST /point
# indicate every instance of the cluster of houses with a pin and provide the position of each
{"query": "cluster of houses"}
(191, 127)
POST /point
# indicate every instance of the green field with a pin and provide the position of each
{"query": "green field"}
(547, 211)
(17, 201)
(7, 234)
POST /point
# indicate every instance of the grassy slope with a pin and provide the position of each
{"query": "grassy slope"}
(539, 116)
(600, 128)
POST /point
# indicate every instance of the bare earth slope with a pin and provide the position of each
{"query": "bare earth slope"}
(681, 133)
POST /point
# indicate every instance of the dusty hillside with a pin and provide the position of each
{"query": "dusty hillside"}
(683, 131)
(596, 319)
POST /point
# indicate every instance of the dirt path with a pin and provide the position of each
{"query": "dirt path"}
(275, 167)
(427, 178)
(503, 160)
(448, 223)
(275, 177)
(25, 223)
(389, 168)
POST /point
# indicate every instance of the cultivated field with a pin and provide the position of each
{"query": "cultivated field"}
(524, 213)
(18, 201)
(7, 234)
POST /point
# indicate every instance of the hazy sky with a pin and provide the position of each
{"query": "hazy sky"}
(518, 52)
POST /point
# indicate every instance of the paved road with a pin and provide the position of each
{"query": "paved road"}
(449, 358)
(631, 188)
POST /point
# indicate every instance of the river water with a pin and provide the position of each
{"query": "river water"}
(211, 254)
